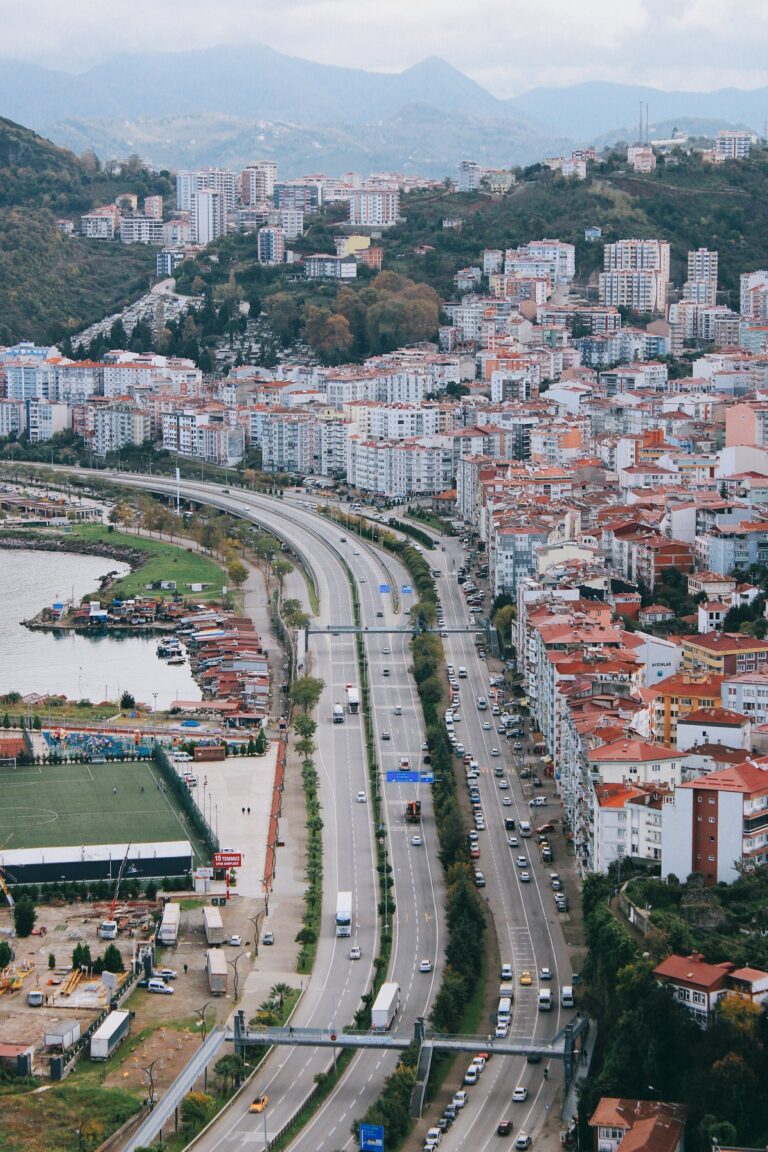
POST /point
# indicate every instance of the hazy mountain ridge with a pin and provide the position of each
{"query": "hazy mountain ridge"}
(171, 106)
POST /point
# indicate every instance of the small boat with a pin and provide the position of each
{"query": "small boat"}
(168, 648)
(177, 658)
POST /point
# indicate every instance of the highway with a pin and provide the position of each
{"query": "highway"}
(527, 923)
(337, 983)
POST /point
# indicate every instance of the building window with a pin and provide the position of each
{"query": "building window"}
(713, 820)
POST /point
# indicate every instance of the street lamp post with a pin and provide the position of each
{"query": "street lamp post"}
(203, 1022)
(257, 922)
(148, 1073)
(236, 978)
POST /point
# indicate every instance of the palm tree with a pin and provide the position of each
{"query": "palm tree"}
(279, 992)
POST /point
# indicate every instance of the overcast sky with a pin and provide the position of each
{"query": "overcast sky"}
(508, 46)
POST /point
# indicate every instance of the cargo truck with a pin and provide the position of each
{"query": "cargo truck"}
(216, 965)
(385, 1007)
(413, 812)
(338, 714)
(214, 928)
(344, 914)
(107, 1037)
(353, 700)
(168, 932)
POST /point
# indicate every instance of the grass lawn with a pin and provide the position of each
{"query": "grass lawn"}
(165, 562)
(48, 1121)
(50, 805)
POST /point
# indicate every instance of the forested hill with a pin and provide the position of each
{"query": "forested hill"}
(51, 284)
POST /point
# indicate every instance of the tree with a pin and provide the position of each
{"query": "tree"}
(81, 956)
(127, 701)
(24, 916)
(306, 691)
(230, 1068)
(6, 954)
(281, 569)
(260, 744)
(237, 573)
(304, 725)
(112, 961)
(279, 992)
(51, 961)
(503, 620)
(196, 1108)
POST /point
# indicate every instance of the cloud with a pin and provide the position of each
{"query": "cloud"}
(506, 45)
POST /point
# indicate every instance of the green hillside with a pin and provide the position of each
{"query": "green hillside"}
(51, 284)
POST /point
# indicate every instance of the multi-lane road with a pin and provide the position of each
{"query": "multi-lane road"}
(525, 918)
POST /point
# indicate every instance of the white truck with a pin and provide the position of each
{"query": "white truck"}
(168, 932)
(216, 964)
(338, 714)
(344, 914)
(385, 1007)
(213, 924)
(353, 700)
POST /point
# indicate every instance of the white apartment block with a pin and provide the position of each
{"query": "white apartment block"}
(13, 417)
(753, 294)
(560, 257)
(29, 379)
(117, 426)
(702, 264)
(641, 157)
(378, 207)
(271, 246)
(470, 175)
(177, 233)
(141, 230)
(209, 217)
(209, 180)
(398, 469)
(731, 145)
(98, 225)
(642, 290)
(257, 182)
(291, 220)
(45, 418)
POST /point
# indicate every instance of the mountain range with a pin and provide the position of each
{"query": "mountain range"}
(235, 104)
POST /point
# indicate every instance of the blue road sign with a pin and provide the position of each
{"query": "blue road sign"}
(407, 590)
(371, 1138)
(397, 777)
(384, 588)
(426, 777)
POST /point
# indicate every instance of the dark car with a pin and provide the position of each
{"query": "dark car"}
(504, 1128)
(533, 1058)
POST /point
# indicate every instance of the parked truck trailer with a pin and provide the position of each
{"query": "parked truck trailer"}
(168, 932)
(107, 1037)
(214, 928)
(216, 966)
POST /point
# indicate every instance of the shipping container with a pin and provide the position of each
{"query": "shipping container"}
(385, 1007)
(168, 933)
(214, 927)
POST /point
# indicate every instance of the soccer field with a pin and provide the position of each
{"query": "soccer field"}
(65, 805)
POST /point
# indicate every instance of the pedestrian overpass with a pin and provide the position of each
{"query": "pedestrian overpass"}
(563, 1046)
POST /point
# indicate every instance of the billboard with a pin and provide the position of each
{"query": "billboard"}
(227, 860)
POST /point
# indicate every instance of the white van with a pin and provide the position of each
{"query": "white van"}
(545, 1000)
(159, 986)
(504, 1011)
(470, 1076)
(462, 673)
(566, 996)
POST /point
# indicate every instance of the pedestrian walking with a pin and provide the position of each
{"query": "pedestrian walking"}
(249, 811)
(185, 969)
(243, 811)
(142, 787)
(114, 791)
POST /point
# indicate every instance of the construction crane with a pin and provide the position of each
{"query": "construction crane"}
(117, 884)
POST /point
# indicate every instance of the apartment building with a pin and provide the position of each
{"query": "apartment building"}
(208, 211)
(641, 157)
(116, 426)
(717, 825)
(142, 230)
(13, 417)
(700, 986)
(299, 196)
(653, 1125)
(100, 224)
(271, 245)
(677, 696)
(470, 175)
(374, 207)
(733, 145)
(45, 418)
(257, 182)
(322, 266)
(221, 180)
(636, 275)
(724, 654)
(747, 694)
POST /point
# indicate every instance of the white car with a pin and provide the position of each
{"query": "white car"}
(495, 752)
(503, 783)
(235, 941)
(397, 710)
(459, 1098)
(486, 726)
(416, 841)
(522, 861)
(268, 938)
(361, 798)
(520, 1095)
(425, 966)
(506, 801)
(354, 952)
(501, 1031)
